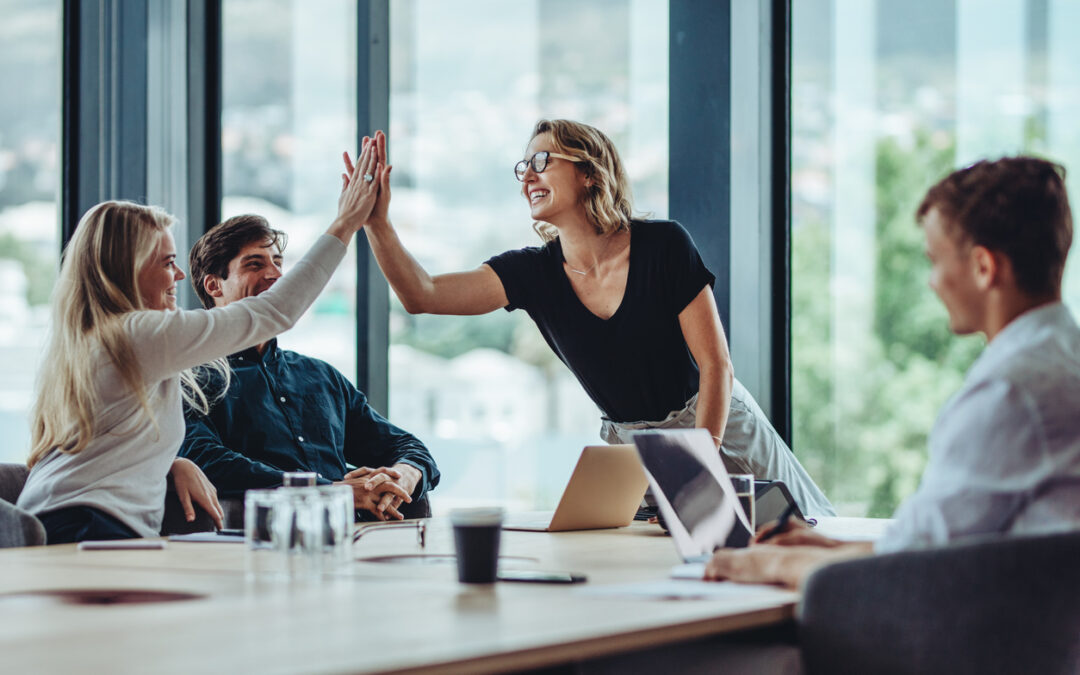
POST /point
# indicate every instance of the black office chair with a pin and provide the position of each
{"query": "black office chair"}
(1004, 606)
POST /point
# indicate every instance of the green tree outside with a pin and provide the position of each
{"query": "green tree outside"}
(868, 451)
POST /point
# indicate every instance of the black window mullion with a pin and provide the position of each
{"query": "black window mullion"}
(781, 215)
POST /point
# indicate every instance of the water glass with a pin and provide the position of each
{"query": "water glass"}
(298, 533)
(337, 515)
(299, 479)
(744, 491)
(263, 511)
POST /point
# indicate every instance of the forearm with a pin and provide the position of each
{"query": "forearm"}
(714, 397)
(342, 229)
(229, 471)
(427, 473)
(410, 281)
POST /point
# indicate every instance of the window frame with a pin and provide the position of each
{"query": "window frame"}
(111, 133)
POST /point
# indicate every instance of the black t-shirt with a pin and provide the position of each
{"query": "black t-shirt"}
(635, 365)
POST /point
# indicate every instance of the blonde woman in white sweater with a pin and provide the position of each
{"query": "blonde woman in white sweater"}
(108, 422)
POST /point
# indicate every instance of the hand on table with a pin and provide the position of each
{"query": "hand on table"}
(785, 565)
(794, 533)
(192, 485)
(382, 490)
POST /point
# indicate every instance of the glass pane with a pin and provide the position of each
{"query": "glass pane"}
(503, 417)
(887, 98)
(30, 64)
(289, 110)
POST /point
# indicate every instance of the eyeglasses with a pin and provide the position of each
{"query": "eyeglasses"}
(539, 162)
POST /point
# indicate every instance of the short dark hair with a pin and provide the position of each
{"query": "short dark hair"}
(1017, 206)
(213, 252)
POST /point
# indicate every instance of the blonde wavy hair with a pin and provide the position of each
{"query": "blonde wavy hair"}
(98, 285)
(607, 200)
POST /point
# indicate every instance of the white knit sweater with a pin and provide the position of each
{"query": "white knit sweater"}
(123, 469)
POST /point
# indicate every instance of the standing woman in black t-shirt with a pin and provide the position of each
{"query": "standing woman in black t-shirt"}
(627, 304)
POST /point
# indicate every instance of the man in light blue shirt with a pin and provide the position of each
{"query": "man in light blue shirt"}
(1005, 450)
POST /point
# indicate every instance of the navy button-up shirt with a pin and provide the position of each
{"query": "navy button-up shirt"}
(289, 412)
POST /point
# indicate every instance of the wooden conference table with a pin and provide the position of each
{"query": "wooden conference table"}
(370, 617)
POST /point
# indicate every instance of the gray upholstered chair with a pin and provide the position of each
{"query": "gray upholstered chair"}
(17, 527)
(1004, 606)
(12, 480)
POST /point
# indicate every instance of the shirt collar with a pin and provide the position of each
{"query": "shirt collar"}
(252, 354)
(1018, 333)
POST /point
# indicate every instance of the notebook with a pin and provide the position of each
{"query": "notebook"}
(604, 491)
(692, 491)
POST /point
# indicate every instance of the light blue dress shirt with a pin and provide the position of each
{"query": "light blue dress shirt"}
(1005, 450)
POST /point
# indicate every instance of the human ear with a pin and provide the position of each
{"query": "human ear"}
(985, 267)
(212, 285)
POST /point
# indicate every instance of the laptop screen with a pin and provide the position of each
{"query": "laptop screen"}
(692, 490)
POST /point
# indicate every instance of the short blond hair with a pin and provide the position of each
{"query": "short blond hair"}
(607, 201)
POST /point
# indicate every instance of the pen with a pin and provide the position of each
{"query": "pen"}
(780, 524)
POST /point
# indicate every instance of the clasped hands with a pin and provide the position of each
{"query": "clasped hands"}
(382, 490)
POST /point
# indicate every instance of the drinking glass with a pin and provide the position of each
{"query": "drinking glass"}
(744, 490)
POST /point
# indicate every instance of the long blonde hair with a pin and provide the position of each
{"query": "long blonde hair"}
(98, 285)
(607, 202)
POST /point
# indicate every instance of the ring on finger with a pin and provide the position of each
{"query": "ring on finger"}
(368, 178)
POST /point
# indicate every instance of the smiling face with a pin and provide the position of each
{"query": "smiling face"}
(558, 191)
(954, 275)
(252, 271)
(157, 279)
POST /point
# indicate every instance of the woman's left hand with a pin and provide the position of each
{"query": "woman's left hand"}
(192, 485)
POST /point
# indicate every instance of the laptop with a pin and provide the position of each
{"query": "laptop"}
(604, 491)
(692, 491)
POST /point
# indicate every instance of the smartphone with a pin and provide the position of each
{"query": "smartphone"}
(230, 532)
(535, 576)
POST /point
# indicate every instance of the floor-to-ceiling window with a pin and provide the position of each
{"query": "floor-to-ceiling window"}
(288, 111)
(888, 97)
(503, 417)
(30, 73)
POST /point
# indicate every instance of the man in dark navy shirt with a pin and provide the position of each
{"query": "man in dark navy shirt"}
(285, 411)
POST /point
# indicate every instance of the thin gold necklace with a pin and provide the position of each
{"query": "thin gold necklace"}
(594, 265)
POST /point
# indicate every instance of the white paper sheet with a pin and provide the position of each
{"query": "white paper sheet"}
(682, 589)
(209, 538)
(693, 570)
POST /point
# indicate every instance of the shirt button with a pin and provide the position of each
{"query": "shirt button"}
(300, 438)
(282, 399)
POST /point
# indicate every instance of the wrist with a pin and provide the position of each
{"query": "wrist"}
(341, 229)
(377, 224)
(411, 475)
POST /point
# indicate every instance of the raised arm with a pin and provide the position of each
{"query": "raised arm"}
(168, 342)
(477, 291)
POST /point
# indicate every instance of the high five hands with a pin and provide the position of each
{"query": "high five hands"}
(359, 193)
(379, 215)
